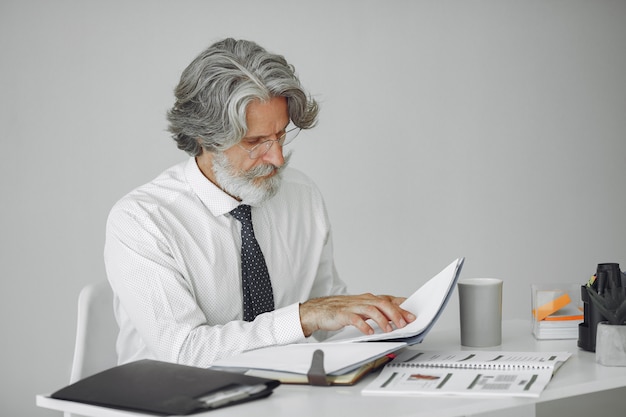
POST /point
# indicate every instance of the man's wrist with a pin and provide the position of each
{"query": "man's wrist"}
(307, 327)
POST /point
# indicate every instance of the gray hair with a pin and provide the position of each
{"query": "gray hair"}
(216, 88)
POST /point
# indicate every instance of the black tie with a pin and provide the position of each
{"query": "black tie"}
(257, 288)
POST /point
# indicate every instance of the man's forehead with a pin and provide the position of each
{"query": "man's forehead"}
(267, 117)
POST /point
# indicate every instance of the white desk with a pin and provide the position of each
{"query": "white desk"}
(579, 375)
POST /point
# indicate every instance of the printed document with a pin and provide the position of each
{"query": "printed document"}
(482, 373)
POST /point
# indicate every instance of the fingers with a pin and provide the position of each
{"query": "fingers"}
(358, 322)
(381, 314)
(391, 312)
(407, 315)
(395, 300)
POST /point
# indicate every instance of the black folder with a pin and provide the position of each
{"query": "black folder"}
(166, 388)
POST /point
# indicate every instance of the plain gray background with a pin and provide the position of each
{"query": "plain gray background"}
(493, 130)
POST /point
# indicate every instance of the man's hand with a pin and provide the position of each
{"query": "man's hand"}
(336, 312)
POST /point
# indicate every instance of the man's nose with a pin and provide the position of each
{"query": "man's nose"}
(275, 155)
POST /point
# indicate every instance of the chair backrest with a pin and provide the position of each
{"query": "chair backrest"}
(96, 332)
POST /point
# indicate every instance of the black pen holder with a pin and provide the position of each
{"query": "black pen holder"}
(587, 329)
(592, 316)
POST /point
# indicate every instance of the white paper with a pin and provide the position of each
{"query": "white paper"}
(426, 303)
(475, 373)
(339, 358)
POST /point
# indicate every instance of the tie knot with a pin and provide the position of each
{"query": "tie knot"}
(242, 213)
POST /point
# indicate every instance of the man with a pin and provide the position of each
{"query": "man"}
(193, 279)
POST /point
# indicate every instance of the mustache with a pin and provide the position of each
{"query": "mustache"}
(265, 169)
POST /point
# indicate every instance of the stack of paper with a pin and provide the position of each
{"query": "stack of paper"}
(344, 363)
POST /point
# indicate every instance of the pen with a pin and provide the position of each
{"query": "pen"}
(591, 281)
(221, 398)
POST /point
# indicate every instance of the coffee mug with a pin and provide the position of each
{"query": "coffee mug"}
(480, 307)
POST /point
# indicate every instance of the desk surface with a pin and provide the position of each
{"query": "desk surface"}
(579, 375)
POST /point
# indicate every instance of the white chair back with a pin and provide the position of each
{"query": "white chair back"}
(96, 332)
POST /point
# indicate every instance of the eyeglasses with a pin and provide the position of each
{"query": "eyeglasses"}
(262, 145)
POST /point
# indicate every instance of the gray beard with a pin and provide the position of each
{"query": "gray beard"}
(242, 184)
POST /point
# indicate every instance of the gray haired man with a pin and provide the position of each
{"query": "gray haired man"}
(194, 282)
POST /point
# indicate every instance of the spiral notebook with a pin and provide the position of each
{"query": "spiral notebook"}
(473, 373)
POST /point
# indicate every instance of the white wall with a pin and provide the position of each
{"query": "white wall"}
(492, 130)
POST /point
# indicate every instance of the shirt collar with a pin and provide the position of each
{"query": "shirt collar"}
(216, 200)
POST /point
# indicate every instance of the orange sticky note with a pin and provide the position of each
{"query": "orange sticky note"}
(550, 307)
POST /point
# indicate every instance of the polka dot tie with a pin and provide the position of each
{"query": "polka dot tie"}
(257, 288)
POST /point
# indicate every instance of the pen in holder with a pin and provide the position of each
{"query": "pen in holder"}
(605, 273)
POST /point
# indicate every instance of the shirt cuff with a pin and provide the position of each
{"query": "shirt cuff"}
(287, 326)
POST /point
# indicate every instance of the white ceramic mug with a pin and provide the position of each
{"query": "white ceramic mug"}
(480, 307)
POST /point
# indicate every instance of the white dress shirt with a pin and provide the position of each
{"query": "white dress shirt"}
(172, 256)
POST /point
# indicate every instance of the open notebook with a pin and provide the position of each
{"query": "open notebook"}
(342, 354)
